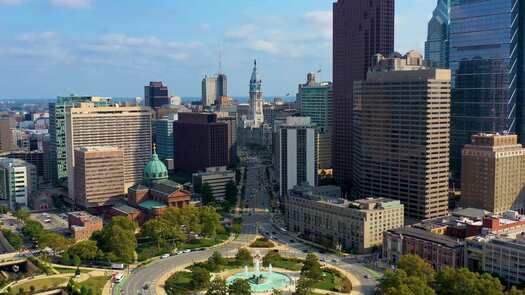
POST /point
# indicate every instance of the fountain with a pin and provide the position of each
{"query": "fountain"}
(262, 281)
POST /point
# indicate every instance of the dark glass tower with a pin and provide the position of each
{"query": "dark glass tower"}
(156, 95)
(361, 28)
(436, 47)
(486, 59)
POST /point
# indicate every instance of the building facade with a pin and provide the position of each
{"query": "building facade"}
(209, 90)
(82, 225)
(357, 226)
(486, 59)
(232, 136)
(163, 130)
(438, 250)
(361, 28)
(296, 159)
(7, 136)
(493, 173)
(314, 100)
(156, 95)
(401, 135)
(201, 141)
(18, 182)
(99, 176)
(436, 46)
(126, 128)
(216, 177)
(57, 133)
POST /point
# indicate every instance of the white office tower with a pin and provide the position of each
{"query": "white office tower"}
(18, 182)
(296, 156)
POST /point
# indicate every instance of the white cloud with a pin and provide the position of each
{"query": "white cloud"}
(11, 2)
(242, 32)
(36, 37)
(265, 46)
(74, 4)
(125, 40)
(320, 22)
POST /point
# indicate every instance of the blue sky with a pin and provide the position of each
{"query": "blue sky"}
(114, 47)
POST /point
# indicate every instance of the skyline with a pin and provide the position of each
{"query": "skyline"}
(97, 54)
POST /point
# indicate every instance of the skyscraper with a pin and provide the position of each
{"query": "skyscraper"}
(213, 88)
(493, 173)
(99, 176)
(361, 28)
(7, 136)
(126, 128)
(156, 95)
(314, 100)
(163, 130)
(401, 135)
(209, 90)
(256, 98)
(296, 154)
(201, 141)
(486, 59)
(57, 132)
(436, 47)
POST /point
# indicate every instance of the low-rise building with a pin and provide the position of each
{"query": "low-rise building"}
(216, 177)
(18, 182)
(82, 225)
(357, 226)
(438, 250)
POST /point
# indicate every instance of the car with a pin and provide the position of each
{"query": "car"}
(367, 277)
(179, 252)
(292, 241)
(186, 251)
(305, 251)
(164, 256)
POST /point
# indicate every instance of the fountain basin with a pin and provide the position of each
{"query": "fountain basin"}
(263, 281)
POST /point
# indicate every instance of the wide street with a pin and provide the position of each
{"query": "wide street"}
(256, 220)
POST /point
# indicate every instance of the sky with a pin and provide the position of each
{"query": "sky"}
(50, 48)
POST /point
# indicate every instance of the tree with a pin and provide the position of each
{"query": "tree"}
(243, 257)
(117, 240)
(3, 209)
(312, 268)
(271, 258)
(399, 283)
(515, 291)
(32, 289)
(32, 229)
(200, 278)
(85, 250)
(22, 214)
(231, 192)
(217, 287)
(240, 287)
(160, 232)
(210, 221)
(207, 194)
(413, 265)
(277, 292)
(54, 241)
(216, 262)
(76, 261)
(304, 286)
(58, 202)
(13, 239)
(462, 281)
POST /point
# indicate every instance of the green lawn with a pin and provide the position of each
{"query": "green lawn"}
(40, 284)
(179, 283)
(333, 281)
(70, 270)
(96, 283)
(203, 243)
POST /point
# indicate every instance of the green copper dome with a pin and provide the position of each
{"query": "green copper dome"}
(155, 169)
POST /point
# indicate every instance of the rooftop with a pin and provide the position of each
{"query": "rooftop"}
(126, 209)
(427, 236)
(152, 204)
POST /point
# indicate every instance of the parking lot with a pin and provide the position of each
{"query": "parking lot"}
(52, 221)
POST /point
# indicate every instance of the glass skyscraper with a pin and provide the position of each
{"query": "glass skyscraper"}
(436, 47)
(487, 63)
